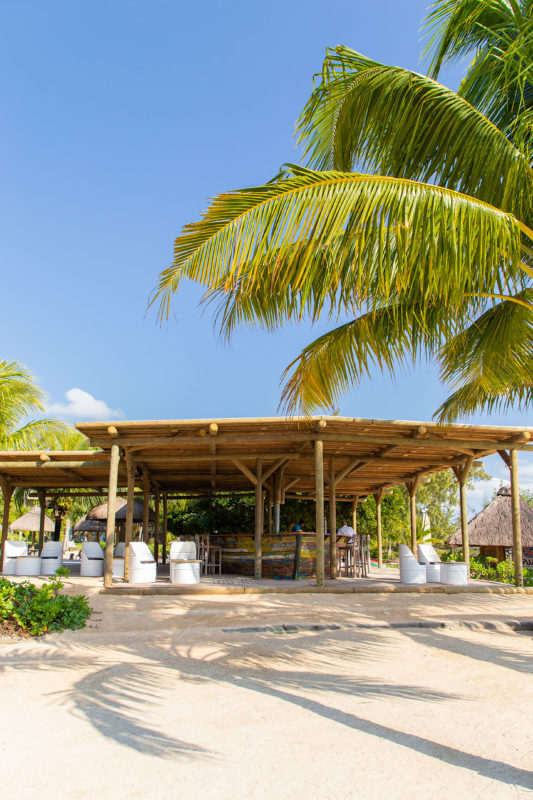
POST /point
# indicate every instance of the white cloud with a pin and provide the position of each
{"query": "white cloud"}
(84, 407)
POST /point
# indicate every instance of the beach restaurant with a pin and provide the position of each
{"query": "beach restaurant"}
(324, 459)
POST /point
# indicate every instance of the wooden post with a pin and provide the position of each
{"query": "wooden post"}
(332, 521)
(7, 491)
(146, 505)
(319, 489)
(269, 514)
(165, 505)
(355, 502)
(258, 518)
(130, 469)
(412, 517)
(517, 532)
(110, 525)
(277, 480)
(378, 498)
(41, 494)
(156, 526)
(462, 474)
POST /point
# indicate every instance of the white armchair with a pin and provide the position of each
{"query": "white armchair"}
(428, 555)
(119, 558)
(143, 568)
(184, 566)
(12, 551)
(92, 560)
(410, 570)
(51, 557)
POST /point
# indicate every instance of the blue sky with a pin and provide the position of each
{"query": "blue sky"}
(121, 118)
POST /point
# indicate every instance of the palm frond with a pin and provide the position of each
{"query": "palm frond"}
(431, 242)
(389, 120)
(33, 435)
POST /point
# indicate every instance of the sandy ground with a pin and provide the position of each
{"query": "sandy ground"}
(154, 699)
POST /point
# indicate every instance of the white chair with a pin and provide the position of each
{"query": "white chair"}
(119, 560)
(143, 568)
(92, 560)
(28, 565)
(51, 557)
(410, 570)
(428, 555)
(12, 551)
(184, 566)
(120, 550)
(454, 573)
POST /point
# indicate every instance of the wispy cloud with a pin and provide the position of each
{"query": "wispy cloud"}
(82, 406)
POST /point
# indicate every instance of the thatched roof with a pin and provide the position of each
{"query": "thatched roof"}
(30, 521)
(94, 525)
(493, 525)
(100, 512)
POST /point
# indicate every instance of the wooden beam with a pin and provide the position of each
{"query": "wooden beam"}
(332, 507)
(41, 494)
(7, 491)
(146, 505)
(51, 465)
(130, 469)
(110, 523)
(213, 465)
(245, 471)
(156, 525)
(517, 529)
(379, 534)
(412, 487)
(258, 519)
(165, 510)
(463, 503)
(505, 457)
(319, 488)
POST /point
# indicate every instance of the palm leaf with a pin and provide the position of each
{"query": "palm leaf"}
(431, 242)
(384, 119)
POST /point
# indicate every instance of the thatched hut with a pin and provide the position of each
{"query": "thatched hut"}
(100, 512)
(31, 521)
(89, 525)
(492, 528)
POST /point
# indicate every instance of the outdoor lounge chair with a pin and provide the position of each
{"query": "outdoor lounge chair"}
(143, 568)
(12, 551)
(92, 560)
(428, 555)
(119, 560)
(184, 566)
(410, 570)
(51, 557)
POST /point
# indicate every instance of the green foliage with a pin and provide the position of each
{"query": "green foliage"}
(227, 514)
(439, 495)
(44, 609)
(490, 569)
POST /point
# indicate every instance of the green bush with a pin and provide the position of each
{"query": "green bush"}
(25, 607)
(490, 569)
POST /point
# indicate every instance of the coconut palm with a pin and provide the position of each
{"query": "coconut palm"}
(19, 397)
(410, 224)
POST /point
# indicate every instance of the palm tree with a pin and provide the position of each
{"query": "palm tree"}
(19, 397)
(411, 222)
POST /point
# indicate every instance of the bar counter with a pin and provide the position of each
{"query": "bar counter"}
(284, 555)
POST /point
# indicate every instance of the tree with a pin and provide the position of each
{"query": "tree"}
(428, 251)
(439, 496)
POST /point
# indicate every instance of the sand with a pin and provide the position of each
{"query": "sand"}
(155, 698)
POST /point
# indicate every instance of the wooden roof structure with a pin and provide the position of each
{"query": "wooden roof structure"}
(493, 525)
(365, 456)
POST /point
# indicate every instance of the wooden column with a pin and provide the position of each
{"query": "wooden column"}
(332, 521)
(156, 527)
(258, 519)
(41, 494)
(111, 507)
(130, 469)
(412, 486)
(378, 498)
(517, 531)
(355, 502)
(146, 505)
(165, 507)
(7, 491)
(462, 476)
(269, 514)
(319, 490)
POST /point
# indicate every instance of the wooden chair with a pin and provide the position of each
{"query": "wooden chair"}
(210, 557)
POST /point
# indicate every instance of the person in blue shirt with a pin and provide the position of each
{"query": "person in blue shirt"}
(298, 527)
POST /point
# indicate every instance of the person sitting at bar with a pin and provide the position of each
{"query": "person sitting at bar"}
(346, 531)
(298, 527)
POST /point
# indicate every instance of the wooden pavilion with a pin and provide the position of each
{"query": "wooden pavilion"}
(492, 528)
(334, 458)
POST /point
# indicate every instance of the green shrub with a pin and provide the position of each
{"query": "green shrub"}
(26, 607)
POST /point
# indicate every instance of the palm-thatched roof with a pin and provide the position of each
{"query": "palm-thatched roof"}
(31, 521)
(493, 525)
(100, 512)
(93, 525)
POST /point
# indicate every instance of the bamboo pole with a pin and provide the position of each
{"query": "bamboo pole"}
(146, 505)
(7, 491)
(165, 506)
(156, 526)
(258, 518)
(332, 521)
(41, 494)
(110, 524)
(319, 481)
(130, 468)
(517, 532)
(379, 535)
